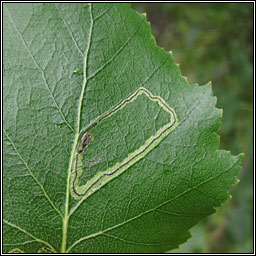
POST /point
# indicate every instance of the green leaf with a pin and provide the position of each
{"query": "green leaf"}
(106, 146)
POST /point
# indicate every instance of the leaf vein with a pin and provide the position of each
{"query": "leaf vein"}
(151, 210)
(41, 70)
(79, 113)
(116, 53)
(131, 242)
(103, 13)
(29, 234)
(175, 214)
(31, 173)
(69, 30)
(26, 242)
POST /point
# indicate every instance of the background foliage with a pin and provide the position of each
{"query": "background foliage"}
(214, 41)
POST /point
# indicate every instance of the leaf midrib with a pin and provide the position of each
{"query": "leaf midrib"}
(67, 214)
(78, 128)
(80, 103)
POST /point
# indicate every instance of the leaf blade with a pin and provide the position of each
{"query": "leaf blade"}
(161, 190)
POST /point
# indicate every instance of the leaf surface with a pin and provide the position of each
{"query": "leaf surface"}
(150, 168)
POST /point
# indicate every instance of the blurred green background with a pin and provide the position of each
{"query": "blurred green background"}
(214, 42)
